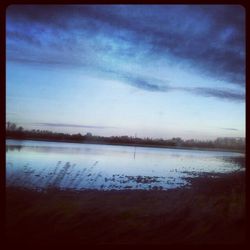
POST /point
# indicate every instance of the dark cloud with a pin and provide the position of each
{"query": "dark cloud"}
(144, 84)
(216, 49)
(207, 92)
(20, 36)
(149, 83)
(156, 85)
(208, 38)
(233, 129)
(138, 81)
(45, 61)
(70, 125)
(218, 93)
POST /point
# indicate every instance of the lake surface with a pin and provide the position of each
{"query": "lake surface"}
(40, 164)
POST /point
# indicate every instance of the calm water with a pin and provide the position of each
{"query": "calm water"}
(40, 165)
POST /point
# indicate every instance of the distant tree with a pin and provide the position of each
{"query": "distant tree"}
(12, 126)
(88, 135)
(20, 129)
(177, 141)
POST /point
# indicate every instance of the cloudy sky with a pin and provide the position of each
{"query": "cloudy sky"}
(155, 70)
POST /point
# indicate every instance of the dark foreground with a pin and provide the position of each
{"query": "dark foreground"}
(212, 211)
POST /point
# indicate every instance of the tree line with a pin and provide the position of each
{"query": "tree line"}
(15, 132)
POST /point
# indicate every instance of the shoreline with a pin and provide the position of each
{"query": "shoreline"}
(132, 145)
(212, 211)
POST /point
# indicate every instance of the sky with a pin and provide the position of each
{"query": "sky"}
(158, 71)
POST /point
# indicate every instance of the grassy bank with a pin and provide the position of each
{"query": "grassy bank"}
(212, 211)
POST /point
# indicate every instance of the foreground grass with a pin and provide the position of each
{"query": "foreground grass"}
(211, 211)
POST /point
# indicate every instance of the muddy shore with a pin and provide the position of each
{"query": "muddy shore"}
(211, 211)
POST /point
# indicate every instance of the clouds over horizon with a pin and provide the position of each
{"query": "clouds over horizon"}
(44, 124)
(115, 39)
(231, 129)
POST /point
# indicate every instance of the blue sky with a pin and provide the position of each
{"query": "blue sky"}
(158, 70)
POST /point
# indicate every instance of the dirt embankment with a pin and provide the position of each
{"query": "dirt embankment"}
(211, 211)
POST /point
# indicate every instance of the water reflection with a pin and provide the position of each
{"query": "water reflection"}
(84, 166)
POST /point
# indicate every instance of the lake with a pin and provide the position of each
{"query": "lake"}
(40, 165)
